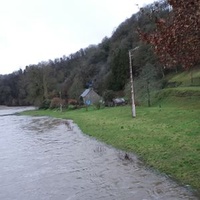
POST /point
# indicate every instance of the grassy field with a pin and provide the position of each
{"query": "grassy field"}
(166, 136)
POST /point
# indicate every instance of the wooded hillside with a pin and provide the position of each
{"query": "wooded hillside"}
(104, 66)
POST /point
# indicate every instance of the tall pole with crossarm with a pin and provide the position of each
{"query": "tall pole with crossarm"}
(131, 81)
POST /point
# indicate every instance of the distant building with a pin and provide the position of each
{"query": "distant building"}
(89, 97)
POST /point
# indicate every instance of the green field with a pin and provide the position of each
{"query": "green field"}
(185, 78)
(166, 136)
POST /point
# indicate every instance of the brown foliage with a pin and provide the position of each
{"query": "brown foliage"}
(57, 102)
(176, 40)
(72, 102)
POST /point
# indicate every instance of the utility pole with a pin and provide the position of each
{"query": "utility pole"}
(131, 81)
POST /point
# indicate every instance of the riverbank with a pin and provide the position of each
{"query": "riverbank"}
(165, 136)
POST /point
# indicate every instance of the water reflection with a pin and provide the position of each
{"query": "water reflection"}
(45, 158)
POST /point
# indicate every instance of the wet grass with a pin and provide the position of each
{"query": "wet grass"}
(166, 136)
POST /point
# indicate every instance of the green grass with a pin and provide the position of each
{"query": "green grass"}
(185, 78)
(185, 97)
(166, 136)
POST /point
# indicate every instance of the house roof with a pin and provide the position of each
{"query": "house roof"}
(86, 92)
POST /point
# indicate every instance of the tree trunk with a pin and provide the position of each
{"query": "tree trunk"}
(148, 95)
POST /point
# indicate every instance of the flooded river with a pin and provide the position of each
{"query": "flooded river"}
(46, 159)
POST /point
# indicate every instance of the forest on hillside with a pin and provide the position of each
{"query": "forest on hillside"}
(103, 66)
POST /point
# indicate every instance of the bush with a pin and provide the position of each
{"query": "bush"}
(98, 105)
(45, 104)
(57, 102)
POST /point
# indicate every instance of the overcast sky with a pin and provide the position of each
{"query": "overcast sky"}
(38, 30)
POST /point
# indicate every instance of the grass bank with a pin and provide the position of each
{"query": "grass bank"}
(185, 78)
(166, 137)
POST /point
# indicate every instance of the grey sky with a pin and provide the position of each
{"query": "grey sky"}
(38, 30)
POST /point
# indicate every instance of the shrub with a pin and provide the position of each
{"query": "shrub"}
(98, 105)
(45, 104)
(57, 102)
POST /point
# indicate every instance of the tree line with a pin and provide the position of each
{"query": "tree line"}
(104, 66)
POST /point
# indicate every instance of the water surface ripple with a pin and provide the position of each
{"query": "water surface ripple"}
(46, 159)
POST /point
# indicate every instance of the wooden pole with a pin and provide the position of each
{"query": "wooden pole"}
(132, 87)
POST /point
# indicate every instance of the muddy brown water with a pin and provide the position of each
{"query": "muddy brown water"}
(50, 159)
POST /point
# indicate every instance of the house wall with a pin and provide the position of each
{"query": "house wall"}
(92, 96)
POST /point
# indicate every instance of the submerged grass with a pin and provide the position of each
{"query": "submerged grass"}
(166, 136)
